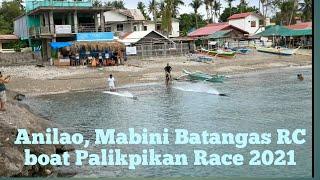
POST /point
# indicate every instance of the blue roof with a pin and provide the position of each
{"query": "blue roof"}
(57, 45)
(96, 36)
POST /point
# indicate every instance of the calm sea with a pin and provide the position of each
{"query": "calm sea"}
(256, 102)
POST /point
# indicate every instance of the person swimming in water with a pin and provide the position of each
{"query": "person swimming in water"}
(300, 77)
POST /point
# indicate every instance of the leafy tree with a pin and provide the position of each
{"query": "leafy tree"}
(142, 7)
(8, 11)
(195, 4)
(187, 22)
(227, 12)
(287, 10)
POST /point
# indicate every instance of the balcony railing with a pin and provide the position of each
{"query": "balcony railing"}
(45, 30)
(31, 5)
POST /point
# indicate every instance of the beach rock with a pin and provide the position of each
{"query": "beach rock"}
(12, 155)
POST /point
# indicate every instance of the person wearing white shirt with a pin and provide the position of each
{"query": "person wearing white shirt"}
(111, 83)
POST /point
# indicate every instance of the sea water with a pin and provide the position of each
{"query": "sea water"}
(256, 102)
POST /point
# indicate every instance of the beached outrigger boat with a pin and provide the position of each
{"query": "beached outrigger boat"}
(199, 58)
(241, 50)
(222, 53)
(200, 76)
(278, 50)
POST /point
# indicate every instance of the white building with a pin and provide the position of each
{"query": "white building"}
(250, 22)
(125, 21)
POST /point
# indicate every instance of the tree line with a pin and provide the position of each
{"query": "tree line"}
(283, 12)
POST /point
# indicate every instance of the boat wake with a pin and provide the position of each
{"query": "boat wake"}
(198, 88)
(122, 94)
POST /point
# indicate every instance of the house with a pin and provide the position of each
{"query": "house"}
(210, 29)
(302, 25)
(57, 21)
(175, 32)
(5, 41)
(150, 37)
(249, 21)
(124, 21)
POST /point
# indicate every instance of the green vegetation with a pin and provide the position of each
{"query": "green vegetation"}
(8, 11)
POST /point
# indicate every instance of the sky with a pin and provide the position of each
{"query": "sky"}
(132, 4)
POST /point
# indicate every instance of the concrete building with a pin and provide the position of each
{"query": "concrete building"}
(129, 20)
(250, 22)
(57, 21)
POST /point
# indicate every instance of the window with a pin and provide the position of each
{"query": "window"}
(158, 27)
(119, 27)
(253, 23)
(134, 28)
(108, 29)
(145, 28)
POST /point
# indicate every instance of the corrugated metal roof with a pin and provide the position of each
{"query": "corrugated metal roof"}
(208, 30)
(304, 25)
(133, 13)
(219, 34)
(243, 15)
(138, 35)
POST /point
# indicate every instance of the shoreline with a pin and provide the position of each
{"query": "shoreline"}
(28, 80)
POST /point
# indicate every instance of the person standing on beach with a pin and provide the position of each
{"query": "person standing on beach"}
(3, 97)
(111, 83)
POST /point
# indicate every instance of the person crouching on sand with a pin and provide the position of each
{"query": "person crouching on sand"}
(3, 97)
(300, 77)
(111, 83)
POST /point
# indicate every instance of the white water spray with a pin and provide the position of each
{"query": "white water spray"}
(196, 87)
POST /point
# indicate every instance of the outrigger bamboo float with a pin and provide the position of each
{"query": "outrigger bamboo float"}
(200, 76)
(278, 50)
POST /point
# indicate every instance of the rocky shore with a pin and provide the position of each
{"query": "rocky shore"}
(33, 81)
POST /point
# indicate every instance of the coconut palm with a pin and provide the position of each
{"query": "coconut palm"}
(230, 4)
(175, 7)
(195, 4)
(207, 5)
(216, 9)
(142, 7)
(153, 9)
(167, 14)
(306, 9)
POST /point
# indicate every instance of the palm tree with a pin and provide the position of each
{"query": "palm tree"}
(175, 7)
(195, 4)
(242, 5)
(116, 4)
(153, 9)
(216, 8)
(141, 6)
(167, 16)
(211, 9)
(230, 5)
(207, 4)
(306, 9)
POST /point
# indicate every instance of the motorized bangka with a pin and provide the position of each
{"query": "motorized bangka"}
(278, 50)
(200, 76)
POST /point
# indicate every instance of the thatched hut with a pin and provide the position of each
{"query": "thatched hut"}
(99, 46)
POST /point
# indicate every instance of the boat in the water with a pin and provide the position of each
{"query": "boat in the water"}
(200, 76)
(278, 50)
